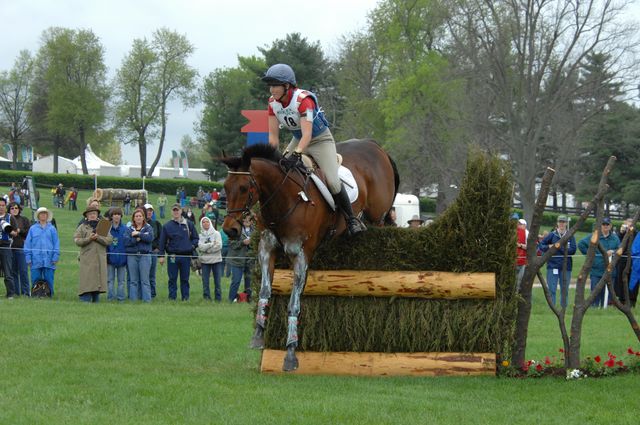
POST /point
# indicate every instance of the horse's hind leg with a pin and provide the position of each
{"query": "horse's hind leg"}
(266, 255)
(299, 278)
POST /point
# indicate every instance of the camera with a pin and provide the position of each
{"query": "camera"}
(6, 227)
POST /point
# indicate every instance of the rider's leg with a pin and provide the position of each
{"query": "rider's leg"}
(344, 204)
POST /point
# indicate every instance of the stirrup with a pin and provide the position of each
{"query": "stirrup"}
(355, 226)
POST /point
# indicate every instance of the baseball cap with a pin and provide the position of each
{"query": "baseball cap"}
(148, 206)
(606, 220)
(515, 216)
(522, 221)
(176, 206)
(562, 218)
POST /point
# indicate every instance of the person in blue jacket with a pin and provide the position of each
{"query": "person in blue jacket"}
(42, 248)
(137, 241)
(555, 267)
(116, 257)
(610, 242)
(178, 240)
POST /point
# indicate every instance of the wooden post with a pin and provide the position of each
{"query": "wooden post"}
(416, 284)
(383, 364)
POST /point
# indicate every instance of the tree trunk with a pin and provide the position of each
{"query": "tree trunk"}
(564, 202)
(83, 148)
(14, 160)
(142, 149)
(554, 197)
(56, 150)
(163, 134)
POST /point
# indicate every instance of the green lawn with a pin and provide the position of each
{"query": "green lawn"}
(66, 362)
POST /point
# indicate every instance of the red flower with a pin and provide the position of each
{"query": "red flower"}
(630, 350)
(597, 359)
(538, 367)
(609, 363)
(561, 350)
(546, 360)
(620, 363)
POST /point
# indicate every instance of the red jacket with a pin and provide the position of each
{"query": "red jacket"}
(521, 253)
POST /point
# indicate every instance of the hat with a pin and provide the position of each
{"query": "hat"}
(562, 218)
(148, 206)
(43, 209)
(606, 220)
(415, 218)
(176, 205)
(515, 216)
(90, 209)
(522, 221)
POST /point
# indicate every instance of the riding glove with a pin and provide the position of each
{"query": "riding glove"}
(292, 161)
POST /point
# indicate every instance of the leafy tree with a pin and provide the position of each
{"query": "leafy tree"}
(76, 91)
(195, 150)
(153, 74)
(14, 100)
(523, 62)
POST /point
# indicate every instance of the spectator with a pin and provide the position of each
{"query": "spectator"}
(623, 278)
(521, 251)
(116, 257)
(415, 222)
(157, 229)
(610, 243)
(211, 212)
(127, 203)
(20, 270)
(189, 215)
(178, 240)
(210, 248)
(392, 217)
(42, 249)
(556, 270)
(240, 260)
(162, 203)
(93, 257)
(226, 269)
(8, 230)
(200, 197)
(93, 203)
(634, 280)
(60, 194)
(73, 197)
(138, 240)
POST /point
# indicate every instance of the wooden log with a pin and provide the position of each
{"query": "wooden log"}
(413, 284)
(383, 364)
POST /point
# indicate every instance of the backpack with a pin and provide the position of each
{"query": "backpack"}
(41, 289)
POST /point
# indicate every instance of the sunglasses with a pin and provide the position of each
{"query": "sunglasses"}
(14, 208)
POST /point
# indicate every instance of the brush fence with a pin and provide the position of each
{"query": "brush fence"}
(412, 284)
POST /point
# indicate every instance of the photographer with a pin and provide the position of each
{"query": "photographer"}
(9, 231)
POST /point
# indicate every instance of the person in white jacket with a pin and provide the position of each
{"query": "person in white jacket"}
(210, 250)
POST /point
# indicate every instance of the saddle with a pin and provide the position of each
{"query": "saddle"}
(318, 177)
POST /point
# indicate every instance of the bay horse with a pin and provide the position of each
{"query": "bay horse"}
(294, 217)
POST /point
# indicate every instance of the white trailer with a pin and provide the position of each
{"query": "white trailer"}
(407, 206)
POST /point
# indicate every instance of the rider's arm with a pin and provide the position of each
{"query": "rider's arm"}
(306, 127)
(274, 131)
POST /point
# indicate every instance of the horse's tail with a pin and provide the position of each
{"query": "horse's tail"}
(396, 177)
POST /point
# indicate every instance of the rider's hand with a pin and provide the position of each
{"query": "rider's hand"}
(292, 161)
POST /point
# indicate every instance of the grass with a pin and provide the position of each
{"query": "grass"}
(66, 362)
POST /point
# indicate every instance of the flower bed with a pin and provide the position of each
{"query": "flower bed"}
(595, 367)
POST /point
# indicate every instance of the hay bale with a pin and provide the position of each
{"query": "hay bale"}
(473, 235)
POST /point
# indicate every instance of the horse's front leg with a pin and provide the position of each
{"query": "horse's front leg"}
(267, 258)
(300, 267)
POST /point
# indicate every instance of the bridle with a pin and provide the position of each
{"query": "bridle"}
(253, 188)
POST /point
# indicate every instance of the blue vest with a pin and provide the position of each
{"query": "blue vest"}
(290, 117)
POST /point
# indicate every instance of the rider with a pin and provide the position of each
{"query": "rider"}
(298, 111)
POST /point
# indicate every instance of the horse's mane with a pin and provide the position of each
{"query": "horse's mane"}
(260, 150)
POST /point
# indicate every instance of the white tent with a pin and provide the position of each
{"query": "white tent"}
(45, 165)
(93, 162)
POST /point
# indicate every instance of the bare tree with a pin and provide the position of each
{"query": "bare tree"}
(524, 63)
(14, 99)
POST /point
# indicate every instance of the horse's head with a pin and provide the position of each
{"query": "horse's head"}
(241, 187)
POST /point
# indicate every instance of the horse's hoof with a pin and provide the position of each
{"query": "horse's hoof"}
(257, 343)
(290, 364)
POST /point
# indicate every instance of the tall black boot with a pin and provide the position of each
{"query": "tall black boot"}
(344, 205)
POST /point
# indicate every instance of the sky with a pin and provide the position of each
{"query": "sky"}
(220, 31)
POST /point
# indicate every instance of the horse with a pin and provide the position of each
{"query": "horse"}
(293, 215)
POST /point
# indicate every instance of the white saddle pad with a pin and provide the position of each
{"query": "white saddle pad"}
(347, 179)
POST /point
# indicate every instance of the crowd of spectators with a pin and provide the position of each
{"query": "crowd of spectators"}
(119, 252)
